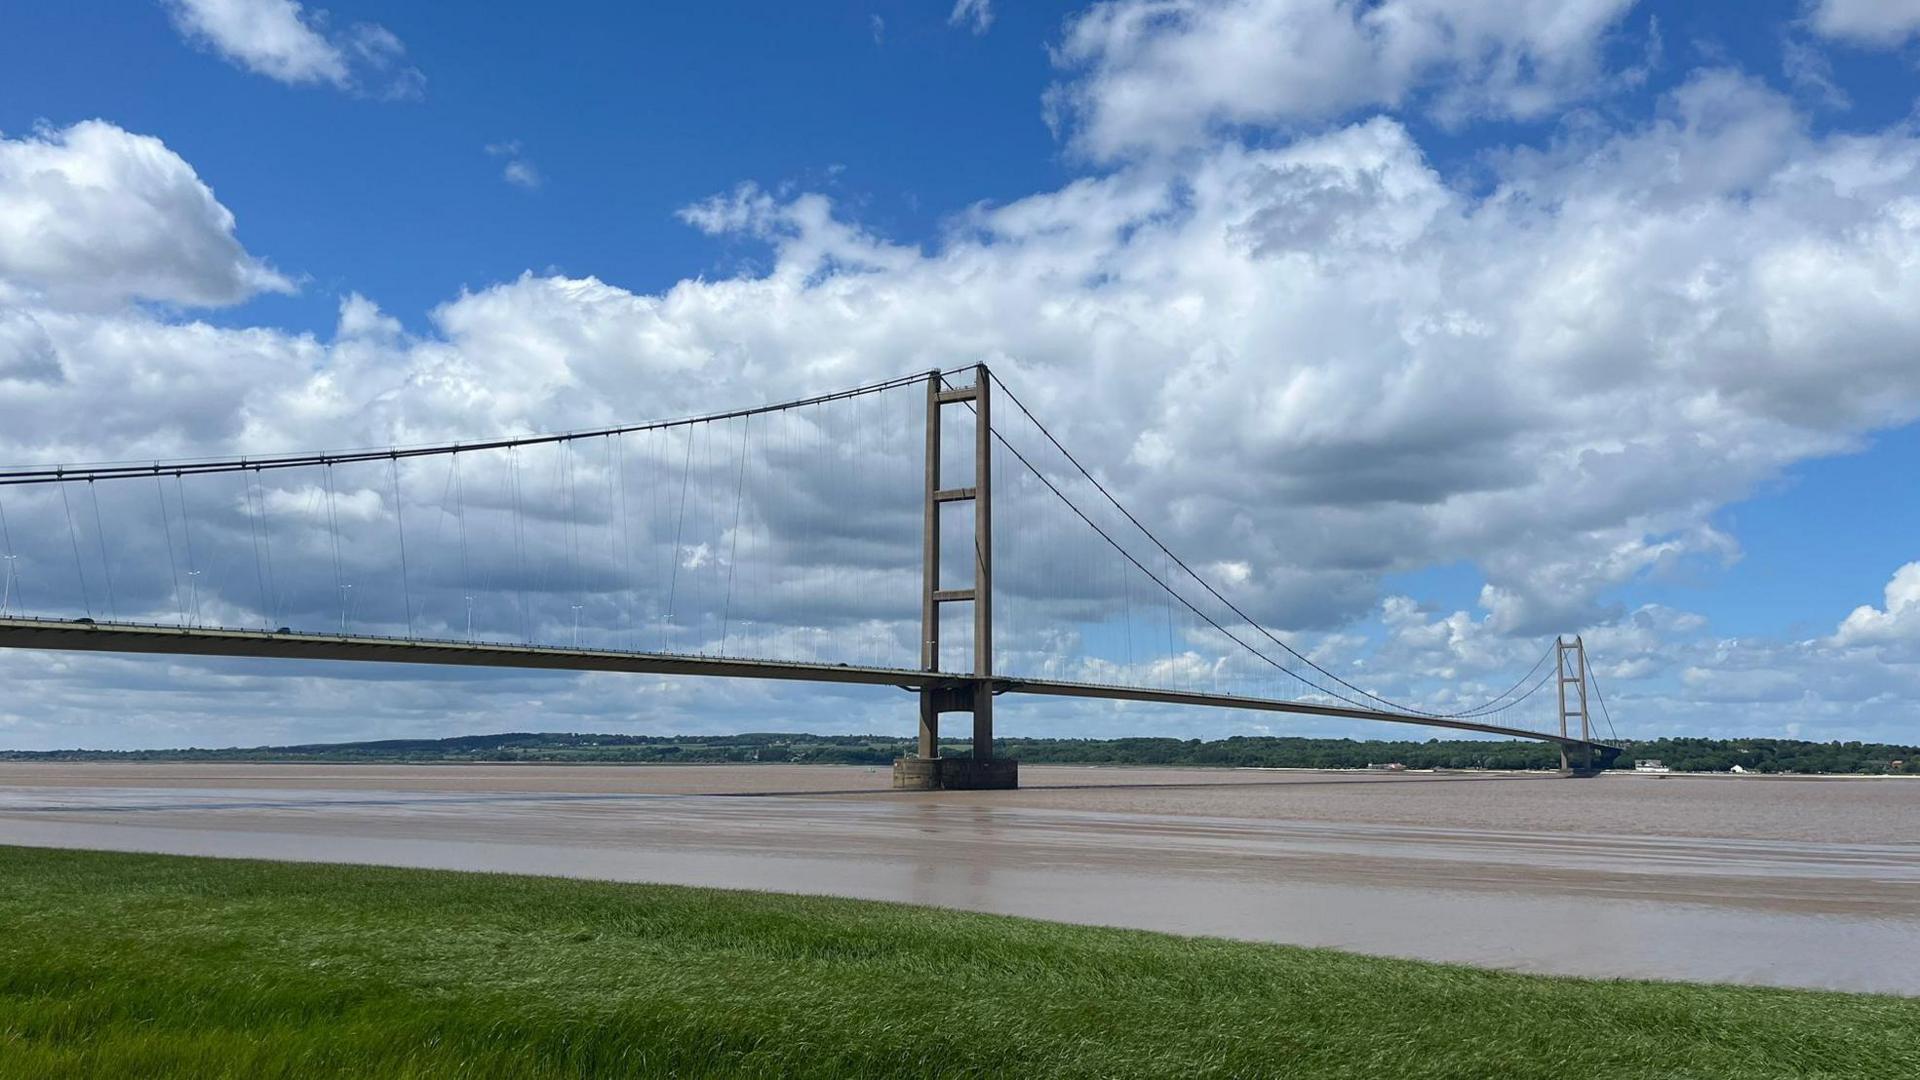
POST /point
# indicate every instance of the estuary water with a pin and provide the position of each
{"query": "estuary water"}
(1789, 882)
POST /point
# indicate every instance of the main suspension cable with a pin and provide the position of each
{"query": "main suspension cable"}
(1042, 477)
(48, 474)
(1483, 709)
(1602, 698)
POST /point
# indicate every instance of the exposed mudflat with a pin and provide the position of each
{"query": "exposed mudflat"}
(1802, 882)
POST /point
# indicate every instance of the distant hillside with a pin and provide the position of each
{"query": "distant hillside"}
(1702, 755)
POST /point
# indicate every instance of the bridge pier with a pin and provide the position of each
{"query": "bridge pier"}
(955, 774)
(980, 770)
(1587, 759)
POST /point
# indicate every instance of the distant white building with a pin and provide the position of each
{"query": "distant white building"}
(1650, 765)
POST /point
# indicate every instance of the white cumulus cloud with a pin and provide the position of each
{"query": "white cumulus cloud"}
(975, 15)
(1882, 23)
(1897, 620)
(286, 42)
(518, 170)
(93, 214)
(1159, 74)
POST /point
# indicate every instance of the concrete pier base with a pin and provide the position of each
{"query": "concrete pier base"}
(955, 774)
(1587, 760)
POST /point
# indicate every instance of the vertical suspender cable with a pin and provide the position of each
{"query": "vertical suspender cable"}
(400, 527)
(673, 582)
(626, 543)
(166, 530)
(795, 613)
(576, 572)
(709, 539)
(340, 584)
(864, 489)
(797, 546)
(733, 551)
(711, 536)
(100, 534)
(830, 579)
(460, 523)
(651, 459)
(1173, 667)
(11, 585)
(74, 537)
(266, 548)
(186, 534)
(1126, 586)
(552, 570)
(613, 537)
(253, 534)
(519, 544)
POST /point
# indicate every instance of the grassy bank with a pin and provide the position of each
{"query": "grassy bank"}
(121, 965)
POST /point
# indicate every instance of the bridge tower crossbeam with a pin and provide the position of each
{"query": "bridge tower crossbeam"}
(927, 769)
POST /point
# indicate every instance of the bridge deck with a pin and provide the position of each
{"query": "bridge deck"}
(63, 635)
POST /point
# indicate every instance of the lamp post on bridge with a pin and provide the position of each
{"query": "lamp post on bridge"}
(973, 693)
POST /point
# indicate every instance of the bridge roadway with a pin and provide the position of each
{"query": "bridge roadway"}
(88, 636)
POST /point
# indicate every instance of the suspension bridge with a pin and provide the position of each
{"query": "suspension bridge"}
(842, 538)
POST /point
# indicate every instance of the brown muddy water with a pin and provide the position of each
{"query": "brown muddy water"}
(1791, 882)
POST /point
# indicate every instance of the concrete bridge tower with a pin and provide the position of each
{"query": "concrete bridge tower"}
(1570, 670)
(927, 769)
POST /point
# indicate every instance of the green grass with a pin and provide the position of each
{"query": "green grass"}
(135, 965)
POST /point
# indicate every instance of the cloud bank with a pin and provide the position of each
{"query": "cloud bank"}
(1310, 358)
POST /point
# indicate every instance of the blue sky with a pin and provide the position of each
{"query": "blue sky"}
(1667, 247)
(629, 112)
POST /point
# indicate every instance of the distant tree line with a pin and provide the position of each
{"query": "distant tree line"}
(1686, 755)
